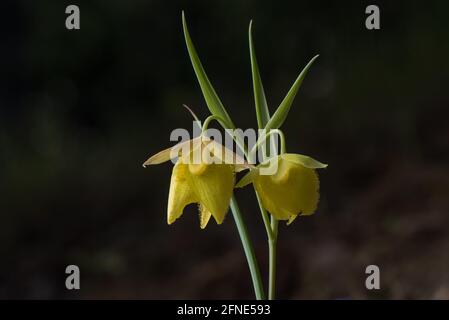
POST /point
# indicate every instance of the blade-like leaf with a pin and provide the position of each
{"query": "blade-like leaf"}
(212, 100)
(280, 115)
(262, 112)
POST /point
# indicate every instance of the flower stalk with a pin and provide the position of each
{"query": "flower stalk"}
(272, 244)
(248, 249)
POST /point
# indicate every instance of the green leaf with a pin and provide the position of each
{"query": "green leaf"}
(305, 161)
(262, 112)
(212, 100)
(280, 115)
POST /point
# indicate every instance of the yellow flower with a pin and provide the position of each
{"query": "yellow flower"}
(209, 181)
(292, 190)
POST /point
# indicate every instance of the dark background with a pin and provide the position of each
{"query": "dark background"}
(81, 110)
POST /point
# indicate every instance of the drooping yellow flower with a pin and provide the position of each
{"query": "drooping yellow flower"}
(208, 181)
(292, 189)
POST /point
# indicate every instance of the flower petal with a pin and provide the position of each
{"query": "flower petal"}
(305, 161)
(291, 219)
(204, 216)
(191, 152)
(291, 191)
(160, 157)
(225, 155)
(181, 194)
(172, 152)
(213, 188)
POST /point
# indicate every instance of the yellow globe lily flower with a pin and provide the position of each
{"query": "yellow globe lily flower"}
(208, 183)
(292, 190)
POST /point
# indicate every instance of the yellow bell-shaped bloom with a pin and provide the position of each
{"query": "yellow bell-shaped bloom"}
(291, 190)
(210, 185)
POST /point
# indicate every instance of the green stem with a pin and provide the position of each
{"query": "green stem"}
(241, 227)
(216, 118)
(249, 251)
(226, 125)
(270, 227)
(265, 217)
(272, 259)
(262, 139)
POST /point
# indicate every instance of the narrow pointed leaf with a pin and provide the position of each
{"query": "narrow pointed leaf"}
(280, 115)
(262, 112)
(212, 100)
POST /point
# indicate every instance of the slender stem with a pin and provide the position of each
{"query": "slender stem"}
(216, 118)
(241, 227)
(263, 212)
(249, 251)
(262, 140)
(272, 257)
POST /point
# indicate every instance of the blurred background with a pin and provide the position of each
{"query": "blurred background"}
(81, 110)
